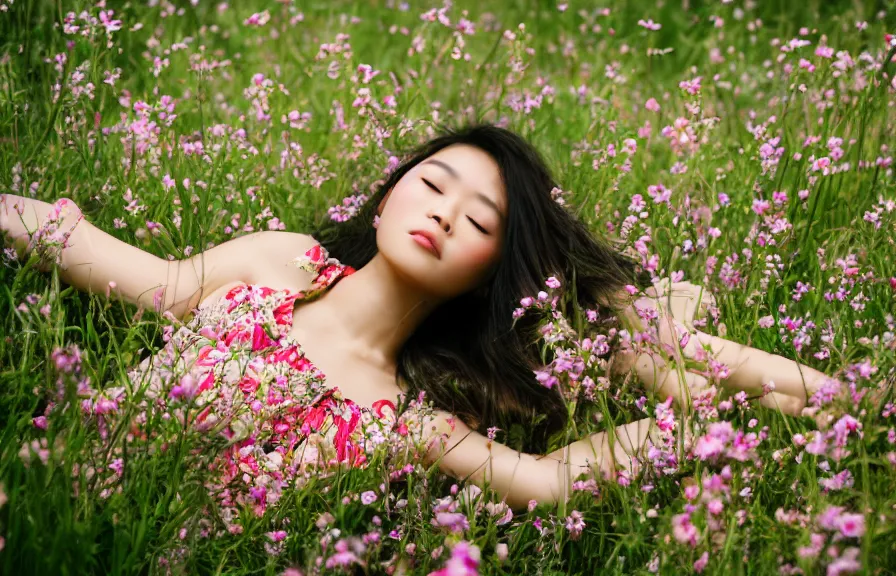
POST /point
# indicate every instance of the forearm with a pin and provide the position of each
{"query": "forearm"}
(750, 369)
(93, 261)
(744, 369)
(595, 453)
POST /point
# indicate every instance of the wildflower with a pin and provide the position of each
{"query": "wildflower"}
(453, 521)
(324, 520)
(683, 530)
(343, 556)
(701, 562)
(276, 536)
(464, 561)
(847, 563)
(575, 523)
(649, 24)
(828, 518)
(559, 196)
(108, 23)
(691, 86)
(348, 209)
(367, 73)
(258, 19)
(822, 165)
(659, 193)
(368, 497)
(851, 525)
(817, 543)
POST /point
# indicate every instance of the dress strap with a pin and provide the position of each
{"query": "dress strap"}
(327, 270)
(314, 259)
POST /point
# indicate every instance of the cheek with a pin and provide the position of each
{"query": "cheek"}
(394, 204)
(478, 257)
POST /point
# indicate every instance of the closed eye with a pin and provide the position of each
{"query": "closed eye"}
(431, 185)
(476, 224)
(481, 229)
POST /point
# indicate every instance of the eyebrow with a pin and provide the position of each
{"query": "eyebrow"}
(456, 176)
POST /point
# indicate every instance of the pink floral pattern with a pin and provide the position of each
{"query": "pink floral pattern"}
(234, 371)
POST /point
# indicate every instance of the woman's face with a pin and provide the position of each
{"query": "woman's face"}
(456, 195)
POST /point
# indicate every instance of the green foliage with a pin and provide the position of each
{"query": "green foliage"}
(66, 132)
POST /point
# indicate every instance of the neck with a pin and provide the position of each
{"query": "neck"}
(371, 313)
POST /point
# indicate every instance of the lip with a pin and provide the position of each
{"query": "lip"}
(428, 241)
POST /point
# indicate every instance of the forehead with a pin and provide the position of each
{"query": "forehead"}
(476, 169)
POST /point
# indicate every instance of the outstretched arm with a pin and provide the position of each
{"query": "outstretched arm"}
(748, 369)
(92, 260)
(519, 477)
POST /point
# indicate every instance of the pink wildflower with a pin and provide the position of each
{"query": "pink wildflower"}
(258, 19)
(847, 563)
(453, 521)
(683, 530)
(701, 562)
(692, 86)
(464, 561)
(575, 523)
(851, 525)
(343, 556)
(276, 536)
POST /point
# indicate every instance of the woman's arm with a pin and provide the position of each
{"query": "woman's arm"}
(749, 369)
(519, 477)
(92, 259)
(752, 369)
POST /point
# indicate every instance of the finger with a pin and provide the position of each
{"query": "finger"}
(707, 300)
(786, 404)
(694, 290)
(697, 383)
(678, 339)
(681, 385)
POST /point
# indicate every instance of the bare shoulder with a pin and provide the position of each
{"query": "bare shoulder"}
(263, 257)
(271, 253)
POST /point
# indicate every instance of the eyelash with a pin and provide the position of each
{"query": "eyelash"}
(431, 185)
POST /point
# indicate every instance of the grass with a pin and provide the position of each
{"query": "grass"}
(770, 510)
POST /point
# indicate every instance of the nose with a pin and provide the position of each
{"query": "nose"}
(443, 222)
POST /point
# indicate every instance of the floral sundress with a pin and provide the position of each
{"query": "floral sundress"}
(234, 371)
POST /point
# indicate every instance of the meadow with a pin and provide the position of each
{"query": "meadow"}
(742, 145)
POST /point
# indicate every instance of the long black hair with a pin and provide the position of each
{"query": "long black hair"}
(468, 356)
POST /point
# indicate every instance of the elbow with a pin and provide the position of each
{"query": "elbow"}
(545, 484)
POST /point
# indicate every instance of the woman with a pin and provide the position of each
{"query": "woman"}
(417, 293)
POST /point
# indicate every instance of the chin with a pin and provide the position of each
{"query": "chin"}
(422, 269)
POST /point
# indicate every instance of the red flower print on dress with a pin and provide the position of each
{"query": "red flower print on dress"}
(259, 392)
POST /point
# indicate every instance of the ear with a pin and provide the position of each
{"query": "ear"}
(379, 209)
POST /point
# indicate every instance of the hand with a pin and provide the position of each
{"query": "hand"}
(683, 300)
(663, 368)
